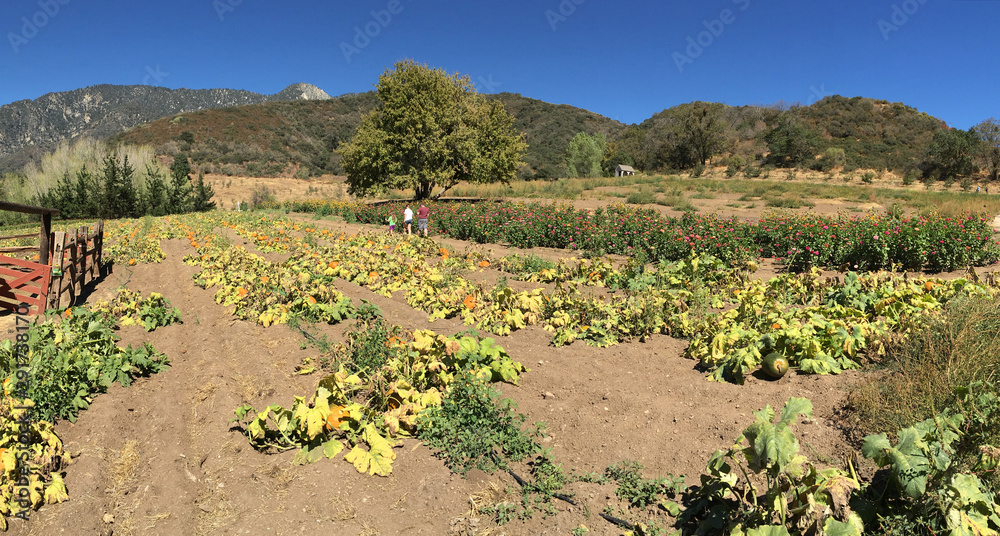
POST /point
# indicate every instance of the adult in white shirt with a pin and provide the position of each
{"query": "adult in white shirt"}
(408, 220)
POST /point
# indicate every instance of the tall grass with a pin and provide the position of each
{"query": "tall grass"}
(919, 374)
(69, 158)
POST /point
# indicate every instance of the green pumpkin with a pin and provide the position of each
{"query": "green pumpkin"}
(775, 365)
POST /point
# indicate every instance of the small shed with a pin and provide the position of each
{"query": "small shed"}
(623, 171)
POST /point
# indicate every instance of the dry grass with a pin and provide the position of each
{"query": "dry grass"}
(250, 388)
(919, 373)
(343, 511)
(124, 469)
(282, 476)
(204, 392)
(229, 190)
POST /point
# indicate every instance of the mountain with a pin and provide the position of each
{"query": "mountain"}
(278, 138)
(296, 131)
(29, 128)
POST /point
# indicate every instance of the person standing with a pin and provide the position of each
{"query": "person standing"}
(392, 224)
(408, 220)
(422, 214)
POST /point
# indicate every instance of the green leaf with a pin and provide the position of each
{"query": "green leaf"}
(833, 527)
(793, 408)
(876, 448)
(332, 447)
(768, 530)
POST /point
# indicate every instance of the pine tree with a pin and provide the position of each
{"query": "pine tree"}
(155, 196)
(179, 193)
(203, 195)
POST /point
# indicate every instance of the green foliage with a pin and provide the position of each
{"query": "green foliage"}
(791, 143)
(793, 493)
(926, 484)
(584, 154)
(988, 150)
(179, 192)
(72, 358)
(833, 157)
(523, 265)
(474, 428)
(154, 197)
(116, 191)
(430, 130)
(950, 154)
(642, 197)
(202, 195)
(874, 134)
(641, 492)
(368, 346)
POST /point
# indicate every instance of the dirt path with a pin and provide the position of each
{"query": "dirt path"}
(160, 458)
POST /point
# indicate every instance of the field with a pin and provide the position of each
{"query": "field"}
(261, 320)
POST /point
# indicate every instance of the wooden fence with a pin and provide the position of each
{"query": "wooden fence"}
(26, 281)
(76, 254)
(40, 284)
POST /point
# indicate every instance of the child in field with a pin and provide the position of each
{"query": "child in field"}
(392, 224)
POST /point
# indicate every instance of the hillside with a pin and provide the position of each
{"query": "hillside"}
(296, 131)
(285, 137)
(873, 133)
(29, 128)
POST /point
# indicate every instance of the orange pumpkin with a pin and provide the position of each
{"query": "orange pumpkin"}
(469, 302)
(337, 416)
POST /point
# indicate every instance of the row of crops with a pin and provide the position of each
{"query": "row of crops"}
(52, 369)
(761, 485)
(865, 243)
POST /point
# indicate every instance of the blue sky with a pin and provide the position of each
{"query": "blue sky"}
(623, 59)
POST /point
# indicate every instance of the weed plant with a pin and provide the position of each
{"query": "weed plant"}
(475, 428)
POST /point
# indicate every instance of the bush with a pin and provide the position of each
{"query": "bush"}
(66, 375)
(644, 197)
(261, 195)
(868, 177)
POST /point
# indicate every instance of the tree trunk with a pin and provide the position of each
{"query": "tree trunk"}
(423, 190)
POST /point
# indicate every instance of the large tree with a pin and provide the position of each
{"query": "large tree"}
(950, 154)
(584, 154)
(791, 143)
(430, 130)
(988, 133)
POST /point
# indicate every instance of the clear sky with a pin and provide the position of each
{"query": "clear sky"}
(624, 59)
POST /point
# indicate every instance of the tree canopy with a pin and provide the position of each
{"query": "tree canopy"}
(988, 133)
(430, 130)
(584, 155)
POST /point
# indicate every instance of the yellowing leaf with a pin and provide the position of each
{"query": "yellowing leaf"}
(55, 492)
(314, 422)
(377, 460)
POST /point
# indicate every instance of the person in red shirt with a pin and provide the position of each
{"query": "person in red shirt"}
(422, 213)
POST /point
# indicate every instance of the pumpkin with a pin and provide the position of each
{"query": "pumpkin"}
(775, 365)
(337, 416)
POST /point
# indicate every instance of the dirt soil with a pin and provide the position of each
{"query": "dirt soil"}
(160, 457)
